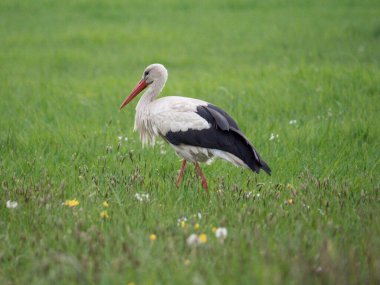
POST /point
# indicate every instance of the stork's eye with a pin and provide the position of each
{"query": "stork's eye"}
(146, 73)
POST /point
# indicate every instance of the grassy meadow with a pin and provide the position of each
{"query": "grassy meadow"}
(302, 79)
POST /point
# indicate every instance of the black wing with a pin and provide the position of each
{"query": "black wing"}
(224, 134)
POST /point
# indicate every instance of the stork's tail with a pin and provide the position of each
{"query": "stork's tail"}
(248, 153)
(265, 167)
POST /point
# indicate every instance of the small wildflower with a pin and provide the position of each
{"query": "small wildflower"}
(199, 215)
(162, 151)
(104, 215)
(290, 186)
(273, 136)
(105, 204)
(11, 204)
(72, 203)
(152, 237)
(181, 220)
(126, 139)
(138, 197)
(183, 224)
(221, 233)
(293, 122)
(186, 262)
(119, 138)
(131, 283)
(202, 238)
(214, 229)
(192, 240)
(196, 226)
(142, 197)
(290, 201)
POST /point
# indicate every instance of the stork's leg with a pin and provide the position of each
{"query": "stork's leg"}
(199, 171)
(179, 179)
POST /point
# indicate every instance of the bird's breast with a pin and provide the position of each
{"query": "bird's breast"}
(145, 126)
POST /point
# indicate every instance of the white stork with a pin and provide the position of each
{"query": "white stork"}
(198, 131)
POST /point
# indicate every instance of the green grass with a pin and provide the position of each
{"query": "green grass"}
(67, 65)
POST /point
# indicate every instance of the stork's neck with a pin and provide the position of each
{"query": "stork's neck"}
(153, 90)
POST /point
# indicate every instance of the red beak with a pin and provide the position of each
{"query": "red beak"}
(139, 87)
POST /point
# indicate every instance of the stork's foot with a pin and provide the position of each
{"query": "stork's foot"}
(204, 181)
(180, 176)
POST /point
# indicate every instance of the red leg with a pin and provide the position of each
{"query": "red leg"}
(199, 171)
(179, 179)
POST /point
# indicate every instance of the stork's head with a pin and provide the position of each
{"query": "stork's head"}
(154, 76)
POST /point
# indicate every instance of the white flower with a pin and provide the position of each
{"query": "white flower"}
(180, 220)
(138, 197)
(293, 122)
(273, 136)
(192, 240)
(142, 197)
(250, 194)
(11, 204)
(305, 206)
(119, 138)
(126, 139)
(199, 216)
(163, 151)
(221, 233)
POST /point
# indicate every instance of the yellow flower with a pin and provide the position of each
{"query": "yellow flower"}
(290, 202)
(131, 283)
(72, 203)
(290, 186)
(196, 226)
(214, 229)
(152, 237)
(183, 224)
(104, 215)
(202, 238)
(105, 204)
(186, 262)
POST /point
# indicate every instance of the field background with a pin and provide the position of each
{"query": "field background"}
(66, 66)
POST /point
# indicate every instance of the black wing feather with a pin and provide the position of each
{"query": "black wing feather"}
(224, 134)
